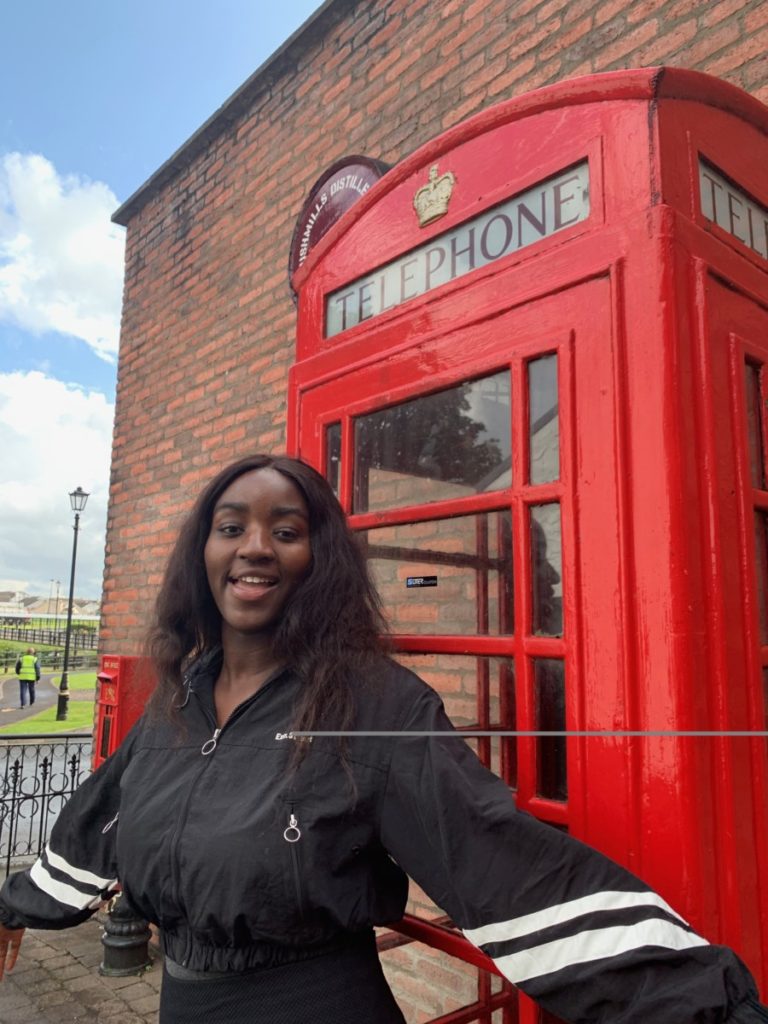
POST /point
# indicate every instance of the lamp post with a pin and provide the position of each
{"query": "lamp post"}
(50, 603)
(77, 500)
(56, 620)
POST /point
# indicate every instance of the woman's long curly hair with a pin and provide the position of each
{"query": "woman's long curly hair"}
(331, 626)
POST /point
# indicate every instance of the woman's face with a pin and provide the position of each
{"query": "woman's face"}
(258, 550)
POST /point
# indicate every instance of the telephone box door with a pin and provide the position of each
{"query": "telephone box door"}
(457, 465)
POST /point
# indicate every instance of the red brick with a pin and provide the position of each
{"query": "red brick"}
(756, 18)
(627, 42)
(707, 44)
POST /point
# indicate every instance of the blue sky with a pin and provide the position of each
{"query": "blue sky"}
(94, 97)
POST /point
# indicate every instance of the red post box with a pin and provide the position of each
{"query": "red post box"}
(125, 683)
(533, 362)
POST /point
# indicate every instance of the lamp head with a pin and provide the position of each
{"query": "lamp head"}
(77, 499)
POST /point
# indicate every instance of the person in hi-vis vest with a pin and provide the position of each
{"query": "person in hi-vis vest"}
(28, 671)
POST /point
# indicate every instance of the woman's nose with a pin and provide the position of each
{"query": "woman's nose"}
(256, 542)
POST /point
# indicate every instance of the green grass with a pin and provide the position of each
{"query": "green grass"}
(20, 646)
(78, 680)
(79, 717)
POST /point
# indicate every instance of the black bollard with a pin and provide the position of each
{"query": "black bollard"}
(125, 941)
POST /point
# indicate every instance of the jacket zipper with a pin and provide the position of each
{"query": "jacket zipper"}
(175, 876)
(292, 835)
(210, 745)
(207, 748)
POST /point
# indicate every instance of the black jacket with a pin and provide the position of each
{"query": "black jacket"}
(197, 829)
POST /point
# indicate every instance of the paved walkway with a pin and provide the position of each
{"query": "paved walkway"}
(56, 981)
(46, 695)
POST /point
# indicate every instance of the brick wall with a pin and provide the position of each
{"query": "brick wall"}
(208, 324)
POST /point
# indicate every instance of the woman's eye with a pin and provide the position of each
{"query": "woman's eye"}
(229, 529)
(286, 534)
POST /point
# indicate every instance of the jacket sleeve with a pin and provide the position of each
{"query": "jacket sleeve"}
(78, 867)
(571, 928)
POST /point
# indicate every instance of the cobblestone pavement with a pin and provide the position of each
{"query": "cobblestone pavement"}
(56, 981)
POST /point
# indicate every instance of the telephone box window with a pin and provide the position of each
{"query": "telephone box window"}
(544, 424)
(479, 694)
(446, 576)
(754, 424)
(333, 455)
(765, 700)
(440, 446)
(549, 687)
(546, 570)
(761, 555)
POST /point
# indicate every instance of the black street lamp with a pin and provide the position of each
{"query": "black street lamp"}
(77, 500)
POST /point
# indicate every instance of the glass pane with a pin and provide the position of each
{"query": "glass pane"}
(445, 445)
(761, 558)
(549, 686)
(333, 455)
(503, 712)
(754, 424)
(765, 698)
(544, 422)
(459, 679)
(446, 575)
(546, 570)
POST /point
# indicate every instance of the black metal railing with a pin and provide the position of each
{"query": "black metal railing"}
(38, 775)
(83, 639)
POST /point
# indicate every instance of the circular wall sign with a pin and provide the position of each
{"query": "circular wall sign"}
(335, 191)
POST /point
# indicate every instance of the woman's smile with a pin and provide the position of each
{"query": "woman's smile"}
(251, 588)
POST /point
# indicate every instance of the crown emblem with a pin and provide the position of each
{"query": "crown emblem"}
(431, 200)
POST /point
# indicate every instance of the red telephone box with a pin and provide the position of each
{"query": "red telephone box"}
(532, 362)
(124, 687)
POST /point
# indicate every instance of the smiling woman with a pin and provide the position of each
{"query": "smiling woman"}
(256, 556)
(266, 646)
(266, 567)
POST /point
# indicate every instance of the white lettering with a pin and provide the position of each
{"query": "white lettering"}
(291, 736)
(306, 235)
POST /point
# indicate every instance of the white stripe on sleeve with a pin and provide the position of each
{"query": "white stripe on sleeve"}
(76, 874)
(594, 945)
(63, 893)
(516, 927)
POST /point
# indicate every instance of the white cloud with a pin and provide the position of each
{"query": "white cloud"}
(61, 260)
(54, 437)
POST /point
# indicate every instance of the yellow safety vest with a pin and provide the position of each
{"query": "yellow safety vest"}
(28, 667)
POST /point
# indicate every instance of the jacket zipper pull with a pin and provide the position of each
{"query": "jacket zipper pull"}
(210, 745)
(292, 834)
(109, 824)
